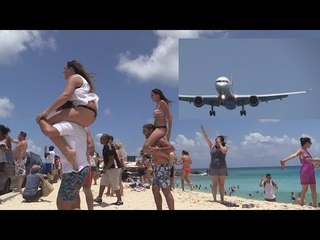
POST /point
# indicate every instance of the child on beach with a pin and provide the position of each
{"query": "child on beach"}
(78, 103)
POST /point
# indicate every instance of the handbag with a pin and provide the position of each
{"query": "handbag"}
(46, 187)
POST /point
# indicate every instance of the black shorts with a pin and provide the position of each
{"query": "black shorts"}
(141, 172)
(172, 172)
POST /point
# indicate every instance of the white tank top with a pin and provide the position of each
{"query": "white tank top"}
(269, 190)
(82, 95)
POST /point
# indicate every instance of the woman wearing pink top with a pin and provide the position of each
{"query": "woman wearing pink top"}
(307, 174)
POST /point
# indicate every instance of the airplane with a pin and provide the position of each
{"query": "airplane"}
(229, 100)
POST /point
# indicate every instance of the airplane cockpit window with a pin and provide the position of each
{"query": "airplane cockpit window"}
(222, 81)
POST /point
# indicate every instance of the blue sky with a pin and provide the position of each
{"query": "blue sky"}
(129, 64)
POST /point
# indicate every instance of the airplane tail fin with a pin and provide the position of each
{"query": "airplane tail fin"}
(231, 78)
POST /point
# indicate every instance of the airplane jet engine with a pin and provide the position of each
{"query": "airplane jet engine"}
(253, 101)
(198, 101)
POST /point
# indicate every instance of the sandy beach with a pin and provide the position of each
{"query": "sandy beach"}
(134, 200)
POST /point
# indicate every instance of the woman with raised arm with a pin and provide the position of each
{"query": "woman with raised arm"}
(307, 174)
(162, 120)
(77, 103)
(218, 165)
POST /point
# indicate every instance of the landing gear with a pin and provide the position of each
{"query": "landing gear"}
(243, 112)
(212, 112)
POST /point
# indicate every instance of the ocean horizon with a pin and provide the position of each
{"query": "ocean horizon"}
(245, 181)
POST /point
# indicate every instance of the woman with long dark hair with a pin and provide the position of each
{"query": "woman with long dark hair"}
(77, 103)
(307, 174)
(162, 119)
(218, 165)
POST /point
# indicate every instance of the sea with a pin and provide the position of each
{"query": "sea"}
(245, 182)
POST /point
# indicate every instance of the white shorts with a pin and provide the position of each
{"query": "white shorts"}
(112, 177)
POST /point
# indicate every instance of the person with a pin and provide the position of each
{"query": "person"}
(57, 165)
(121, 157)
(149, 169)
(186, 162)
(78, 104)
(141, 170)
(162, 117)
(161, 172)
(307, 173)
(88, 181)
(269, 188)
(31, 192)
(4, 136)
(112, 169)
(295, 199)
(218, 165)
(3, 159)
(173, 161)
(68, 195)
(49, 159)
(19, 154)
(96, 172)
(5, 145)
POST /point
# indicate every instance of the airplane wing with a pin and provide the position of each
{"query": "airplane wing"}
(244, 99)
(212, 100)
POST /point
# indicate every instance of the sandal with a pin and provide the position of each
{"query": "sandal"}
(118, 203)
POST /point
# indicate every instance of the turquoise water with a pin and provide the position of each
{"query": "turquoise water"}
(248, 180)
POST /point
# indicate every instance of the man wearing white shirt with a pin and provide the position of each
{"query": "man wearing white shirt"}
(76, 137)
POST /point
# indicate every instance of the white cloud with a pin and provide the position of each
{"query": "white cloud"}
(195, 146)
(162, 64)
(98, 135)
(15, 42)
(107, 112)
(6, 107)
(269, 120)
(34, 148)
(255, 149)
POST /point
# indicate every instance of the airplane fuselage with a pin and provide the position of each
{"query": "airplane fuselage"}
(225, 90)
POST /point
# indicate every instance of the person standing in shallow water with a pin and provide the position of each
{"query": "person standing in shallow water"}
(269, 188)
(307, 174)
(218, 165)
(77, 103)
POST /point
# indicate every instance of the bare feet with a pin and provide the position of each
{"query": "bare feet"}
(282, 164)
(71, 156)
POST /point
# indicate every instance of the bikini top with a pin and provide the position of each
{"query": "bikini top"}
(157, 112)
